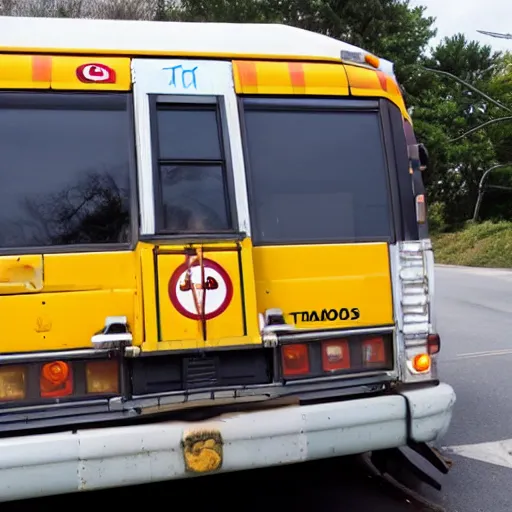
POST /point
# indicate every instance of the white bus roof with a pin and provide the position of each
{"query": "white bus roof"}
(116, 37)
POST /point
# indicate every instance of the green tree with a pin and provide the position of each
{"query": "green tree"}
(222, 11)
(501, 87)
(389, 28)
(444, 109)
(102, 9)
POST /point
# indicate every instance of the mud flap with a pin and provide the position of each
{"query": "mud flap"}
(418, 460)
(379, 466)
(405, 467)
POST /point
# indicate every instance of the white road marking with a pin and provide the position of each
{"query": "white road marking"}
(498, 453)
(479, 271)
(487, 353)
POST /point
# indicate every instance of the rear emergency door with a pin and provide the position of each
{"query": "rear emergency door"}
(197, 264)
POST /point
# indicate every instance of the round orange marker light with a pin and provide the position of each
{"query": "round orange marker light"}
(421, 363)
(56, 372)
(56, 380)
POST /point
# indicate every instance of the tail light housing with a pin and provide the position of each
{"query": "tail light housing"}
(56, 380)
(434, 344)
(39, 382)
(13, 383)
(102, 377)
(374, 351)
(295, 360)
(335, 355)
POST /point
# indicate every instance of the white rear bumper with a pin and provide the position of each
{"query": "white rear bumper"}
(93, 459)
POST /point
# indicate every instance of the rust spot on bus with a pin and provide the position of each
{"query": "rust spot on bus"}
(202, 451)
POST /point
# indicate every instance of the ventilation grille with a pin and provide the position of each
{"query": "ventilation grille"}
(200, 372)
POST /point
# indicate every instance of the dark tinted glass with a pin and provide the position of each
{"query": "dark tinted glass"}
(188, 134)
(64, 171)
(193, 198)
(317, 176)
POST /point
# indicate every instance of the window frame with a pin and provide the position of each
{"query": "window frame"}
(62, 100)
(218, 104)
(326, 104)
(394, 125)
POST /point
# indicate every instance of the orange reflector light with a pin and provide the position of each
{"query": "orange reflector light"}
(102, 377)
(421, 209)
(421, 363)
(335, 355)
(372, 60)
(56, 380)
(434, 344)
(12, 383)
(295, 359)
(374, 351)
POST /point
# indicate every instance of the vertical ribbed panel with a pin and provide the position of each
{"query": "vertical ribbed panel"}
(415, 290)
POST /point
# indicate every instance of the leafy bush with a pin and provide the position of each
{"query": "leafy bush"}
(437, 217)
(478, 245)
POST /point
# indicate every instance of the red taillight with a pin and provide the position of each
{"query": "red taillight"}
(56, 380)
(374, 351)
(335, 355)
(295, 360)
(434, 343)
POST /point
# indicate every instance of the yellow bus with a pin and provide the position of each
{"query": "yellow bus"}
(213, 254)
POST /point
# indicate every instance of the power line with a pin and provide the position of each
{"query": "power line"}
(495, 34)
(469, 86)
(481, 93)
(480, 126)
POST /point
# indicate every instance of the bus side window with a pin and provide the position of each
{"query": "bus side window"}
(65, 169)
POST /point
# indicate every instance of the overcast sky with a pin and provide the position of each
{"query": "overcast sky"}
(468, 16)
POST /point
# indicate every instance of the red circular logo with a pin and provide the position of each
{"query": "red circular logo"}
(96, 73)
(215, 291)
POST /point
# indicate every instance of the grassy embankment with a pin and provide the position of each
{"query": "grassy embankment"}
(478, 245)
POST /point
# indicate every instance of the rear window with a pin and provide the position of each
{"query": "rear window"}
(316, 174)
(191, 194)
(64, 169)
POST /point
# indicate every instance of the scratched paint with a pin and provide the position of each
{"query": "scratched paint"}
(21, 274)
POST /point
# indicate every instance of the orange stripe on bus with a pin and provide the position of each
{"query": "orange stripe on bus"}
(41, 68)
(383, 79)
(297, 75)
(248, 74)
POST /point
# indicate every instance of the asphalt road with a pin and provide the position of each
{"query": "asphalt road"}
(474, 311)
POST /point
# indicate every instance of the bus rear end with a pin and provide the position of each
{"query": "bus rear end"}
(207, 265)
